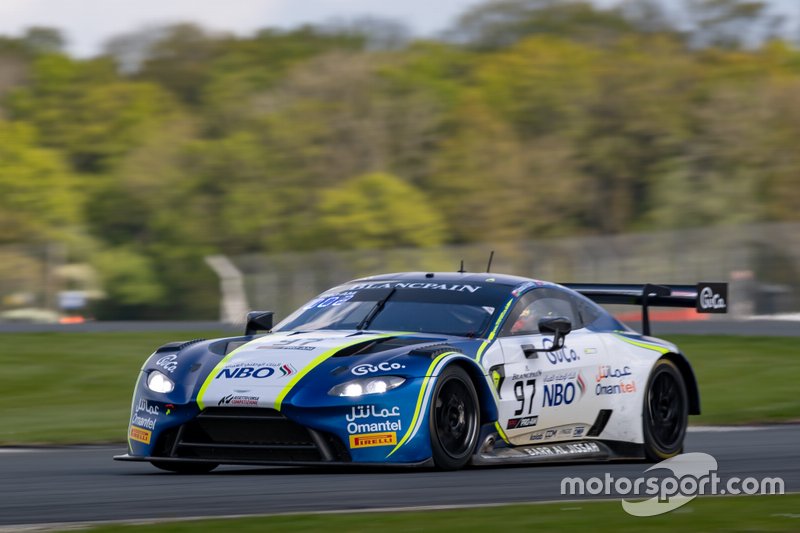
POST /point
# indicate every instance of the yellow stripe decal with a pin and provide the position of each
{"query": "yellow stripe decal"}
(640, 344)
(216, 370)
(319, 359)
(422, 393)
(492, 335)
(500, 431)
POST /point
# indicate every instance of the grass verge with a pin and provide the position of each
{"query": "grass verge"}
(76, 387)
(73, 387)
(744, 379)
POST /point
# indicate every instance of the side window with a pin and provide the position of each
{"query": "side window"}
(587, 310)
(536, 305)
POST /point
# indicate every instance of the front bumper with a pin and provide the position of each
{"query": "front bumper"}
(253, 462)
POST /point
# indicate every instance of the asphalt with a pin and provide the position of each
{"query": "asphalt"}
(83, 484)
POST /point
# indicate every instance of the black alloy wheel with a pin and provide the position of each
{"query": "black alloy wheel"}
(454, 419)
(666, 412)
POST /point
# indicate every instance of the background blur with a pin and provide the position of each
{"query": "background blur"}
(188, 173)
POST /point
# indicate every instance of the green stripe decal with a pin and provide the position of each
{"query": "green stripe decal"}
(417, 410)
(317, 361)
(640, 344)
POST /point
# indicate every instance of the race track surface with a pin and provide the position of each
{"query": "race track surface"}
(83, 484)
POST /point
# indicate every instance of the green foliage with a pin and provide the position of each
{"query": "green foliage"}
(501, 23)
(378, 210)
(84, 109)
(128, 277)
(43, 40)
(539, 117)
(39, 197)
(542, 84)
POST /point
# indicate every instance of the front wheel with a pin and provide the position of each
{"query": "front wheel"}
(184, 468)
(454, 419)
(666, 412)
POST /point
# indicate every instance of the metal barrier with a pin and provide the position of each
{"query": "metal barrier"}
(760, 261)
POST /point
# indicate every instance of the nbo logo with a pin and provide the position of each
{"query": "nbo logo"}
(558, 393)
(246, 372)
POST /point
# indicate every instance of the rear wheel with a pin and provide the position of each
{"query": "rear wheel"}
(454, 419)
(666, 412)
(185, 468)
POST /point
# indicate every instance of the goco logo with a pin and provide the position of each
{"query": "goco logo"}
(562, 356)
(168, 362)
(362, 370)
(710, 300)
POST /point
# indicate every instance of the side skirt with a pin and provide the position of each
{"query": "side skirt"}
(572, 451)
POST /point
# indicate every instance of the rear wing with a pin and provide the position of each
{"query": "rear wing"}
(704, 297)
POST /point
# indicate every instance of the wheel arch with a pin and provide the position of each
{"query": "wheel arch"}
(687, 373)
(485, 394)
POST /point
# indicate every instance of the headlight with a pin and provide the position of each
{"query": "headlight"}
(158, 382)
(373, 385)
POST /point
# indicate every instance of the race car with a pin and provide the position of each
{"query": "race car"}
(426, 369)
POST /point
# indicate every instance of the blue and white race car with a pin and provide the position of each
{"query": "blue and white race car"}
(426, 369)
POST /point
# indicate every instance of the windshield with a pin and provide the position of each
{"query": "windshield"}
(451, 309)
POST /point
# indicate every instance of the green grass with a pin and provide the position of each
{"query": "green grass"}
(734, 514)
(72, 387)
(744, 379)
(76, 387)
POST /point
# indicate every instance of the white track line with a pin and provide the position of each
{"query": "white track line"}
(21, 450)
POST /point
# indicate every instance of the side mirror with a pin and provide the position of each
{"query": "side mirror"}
(258, 321)
(558, 326)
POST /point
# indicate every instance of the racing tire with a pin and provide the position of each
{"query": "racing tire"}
(185, 468)
(454, 419)
(665, 413)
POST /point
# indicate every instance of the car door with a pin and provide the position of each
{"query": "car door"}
(546, 395)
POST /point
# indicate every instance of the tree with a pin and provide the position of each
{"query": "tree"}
(377, 33)
(40, 40)
(540, 85)
(180, 61)
(502, 23)
(129, 278)
(331, 118)
(637, 117)
(84, 109)
(246, 68)
(39, 198)
(650, 16)
(730, 23)
(378, 210)
(131, 50)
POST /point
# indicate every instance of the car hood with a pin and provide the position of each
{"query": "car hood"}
(261, 372)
